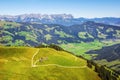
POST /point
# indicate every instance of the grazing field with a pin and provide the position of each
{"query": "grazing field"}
(24, 63)
(82, 48)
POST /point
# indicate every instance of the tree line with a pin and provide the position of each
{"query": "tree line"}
(103, 71)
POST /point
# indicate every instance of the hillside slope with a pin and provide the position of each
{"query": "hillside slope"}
(42, 64)
(109, 56)
(32, 34)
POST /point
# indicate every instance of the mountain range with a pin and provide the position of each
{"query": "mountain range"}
(62, 19)
(34, 33)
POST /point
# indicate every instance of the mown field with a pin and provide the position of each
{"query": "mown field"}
(20, 63)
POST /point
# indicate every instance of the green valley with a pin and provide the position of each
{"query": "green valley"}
(80, 49)
(34, 34)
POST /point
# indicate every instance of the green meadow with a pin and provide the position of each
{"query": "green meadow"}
(24, 63)
(82, 48)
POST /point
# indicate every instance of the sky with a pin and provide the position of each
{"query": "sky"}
(78, 8)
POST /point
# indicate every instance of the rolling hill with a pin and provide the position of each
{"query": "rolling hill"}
(42, 64)
(33, 34)
(109, 56)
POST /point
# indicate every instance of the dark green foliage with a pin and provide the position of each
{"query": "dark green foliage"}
(55, 47)
(81, 57)
(89, 64)
(41, 46)
(104, 72)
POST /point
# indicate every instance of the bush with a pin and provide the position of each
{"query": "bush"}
(41, 46)
(89, 64)
(50, 46)
(55, 47)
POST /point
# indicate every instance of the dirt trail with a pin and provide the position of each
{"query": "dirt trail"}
(60, 66)
(33, 64)
(32, 61)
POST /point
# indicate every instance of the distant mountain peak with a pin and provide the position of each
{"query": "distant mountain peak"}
(69, 16)
(61, 19)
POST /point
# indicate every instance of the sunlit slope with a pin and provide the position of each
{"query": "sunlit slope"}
(51, 56)
(42, 64)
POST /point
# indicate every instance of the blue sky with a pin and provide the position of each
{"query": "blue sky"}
(78, 8)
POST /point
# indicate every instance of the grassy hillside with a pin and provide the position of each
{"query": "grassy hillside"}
(82, 48)
(23, 63)
(33, 34)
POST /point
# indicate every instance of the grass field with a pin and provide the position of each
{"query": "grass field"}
(81, 48)
(15, 64)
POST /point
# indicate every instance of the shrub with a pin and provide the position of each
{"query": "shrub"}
(41, 46)
(55, 47)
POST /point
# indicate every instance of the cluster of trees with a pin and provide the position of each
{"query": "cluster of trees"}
(56, 47)
(104, 72)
